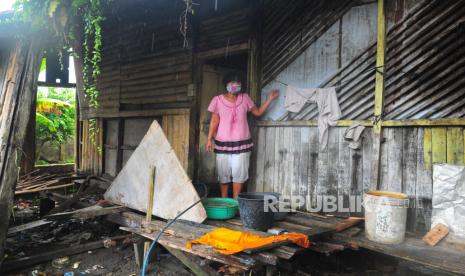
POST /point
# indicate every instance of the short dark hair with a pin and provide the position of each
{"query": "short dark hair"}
(232, 76)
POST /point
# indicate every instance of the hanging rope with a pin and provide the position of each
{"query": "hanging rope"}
(183, 22)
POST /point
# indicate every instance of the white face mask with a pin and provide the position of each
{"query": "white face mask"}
(233, 87)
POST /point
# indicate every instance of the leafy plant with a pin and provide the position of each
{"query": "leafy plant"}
(55, 113)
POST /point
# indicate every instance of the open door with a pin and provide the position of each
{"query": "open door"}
(213, 72)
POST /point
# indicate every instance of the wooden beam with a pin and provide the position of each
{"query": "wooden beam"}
(198, 266)
(87, 213)
(310, 123)
(51, 84)
(221, 52)
(29, 225)
(367, 123)
(424, 122)
(18, 91)
(379, 92)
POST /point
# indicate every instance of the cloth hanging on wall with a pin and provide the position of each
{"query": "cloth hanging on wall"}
(353, 134)
(328, 107)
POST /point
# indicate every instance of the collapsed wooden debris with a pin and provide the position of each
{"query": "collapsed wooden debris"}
(33, 182)
(11, 265)
(84, 213)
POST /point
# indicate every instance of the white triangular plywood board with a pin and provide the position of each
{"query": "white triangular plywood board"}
(174, 191)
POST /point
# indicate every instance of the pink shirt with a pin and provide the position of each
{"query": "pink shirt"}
(233, 124)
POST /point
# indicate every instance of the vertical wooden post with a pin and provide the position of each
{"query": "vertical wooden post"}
(17, 94)
(148, 215)
(255, 46)
(379, 93)
(254, 74)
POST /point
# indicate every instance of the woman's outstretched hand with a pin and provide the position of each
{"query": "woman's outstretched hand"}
(274, 94)
(209, 146)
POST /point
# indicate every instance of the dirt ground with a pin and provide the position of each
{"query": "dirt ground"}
(108, 262)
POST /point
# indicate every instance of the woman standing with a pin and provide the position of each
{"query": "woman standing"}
(229, 134)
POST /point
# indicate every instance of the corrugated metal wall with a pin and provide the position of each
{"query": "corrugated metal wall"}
(290, 27)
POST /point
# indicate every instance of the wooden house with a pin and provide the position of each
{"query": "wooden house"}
(150, 71)
(398, 70)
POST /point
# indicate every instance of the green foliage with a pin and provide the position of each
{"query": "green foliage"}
(55, 121)
(92, 18)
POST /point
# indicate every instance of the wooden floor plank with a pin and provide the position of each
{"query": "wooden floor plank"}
(203, 251)
(413, 250)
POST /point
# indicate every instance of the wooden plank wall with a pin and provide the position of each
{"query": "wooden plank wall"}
(144, 65)
(145, 73)
(291, 163)
(123, 135)
(224, 31)
(91, 152)
(176, 128)
(144, 62)
(146, 70)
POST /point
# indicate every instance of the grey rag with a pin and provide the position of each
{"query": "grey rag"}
(328, 107)
(353, 134)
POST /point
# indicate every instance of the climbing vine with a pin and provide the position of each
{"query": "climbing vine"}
(61, 20)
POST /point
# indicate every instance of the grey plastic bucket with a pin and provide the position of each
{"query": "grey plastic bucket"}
(252, 211)
(277, 216)
(385, 216)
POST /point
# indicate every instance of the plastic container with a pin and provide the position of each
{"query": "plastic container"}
(220, 208)
(385, 216)
(252, 211)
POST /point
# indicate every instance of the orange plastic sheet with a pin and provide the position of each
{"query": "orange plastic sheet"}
(228, 241)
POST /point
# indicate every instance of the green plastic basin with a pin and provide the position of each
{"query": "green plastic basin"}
(220, 208)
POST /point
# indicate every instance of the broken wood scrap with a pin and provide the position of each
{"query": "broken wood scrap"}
(71, 201)
(327, 248)
(266, 247)
(27, 226)
(43, 182)
(436, 234)
(45, 188)
(347, 223)
(84, 213)
(194, 263)
(11, 265)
